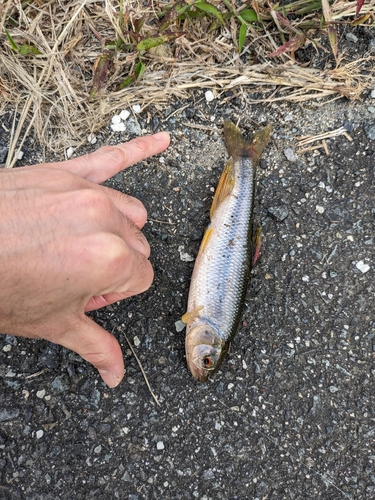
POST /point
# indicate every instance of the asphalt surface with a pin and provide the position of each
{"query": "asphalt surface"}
(291, 412)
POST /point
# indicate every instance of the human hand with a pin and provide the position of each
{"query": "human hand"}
(68, 246)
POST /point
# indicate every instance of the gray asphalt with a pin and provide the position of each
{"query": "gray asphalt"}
(291, 413)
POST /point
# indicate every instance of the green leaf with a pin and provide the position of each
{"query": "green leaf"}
(176, 11)
(128, 81)
(26, 50)
(11, 41)
(136, 75)
(148, 43)
(210, 9)
(249, 15)
(139, 69)
(242, 36)
(361, 20)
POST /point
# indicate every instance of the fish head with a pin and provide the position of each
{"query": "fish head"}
(204, 351)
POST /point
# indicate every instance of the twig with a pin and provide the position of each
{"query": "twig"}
(33, 375)
(140, 366)
(161, 221)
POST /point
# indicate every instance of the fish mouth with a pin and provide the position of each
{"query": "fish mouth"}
(199, 374)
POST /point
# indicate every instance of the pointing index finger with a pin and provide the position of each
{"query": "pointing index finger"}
(109, 160)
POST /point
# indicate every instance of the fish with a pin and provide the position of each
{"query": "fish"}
(229, 249)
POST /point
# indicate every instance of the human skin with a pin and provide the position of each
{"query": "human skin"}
(68, 246)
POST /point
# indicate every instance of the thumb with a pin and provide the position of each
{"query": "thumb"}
(98, 347)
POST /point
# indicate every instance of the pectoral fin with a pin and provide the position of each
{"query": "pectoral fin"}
(224, 187)
(190, 316)
(255, 243)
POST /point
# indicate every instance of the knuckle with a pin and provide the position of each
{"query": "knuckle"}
(94, 202)
(114, 155)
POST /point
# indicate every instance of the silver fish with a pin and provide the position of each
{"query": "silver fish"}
(228, 250)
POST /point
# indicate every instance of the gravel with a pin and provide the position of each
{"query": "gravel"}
(290, 414)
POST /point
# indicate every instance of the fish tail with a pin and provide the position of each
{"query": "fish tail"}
(238, 146)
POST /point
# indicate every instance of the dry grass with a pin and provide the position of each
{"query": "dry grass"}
(49, 92)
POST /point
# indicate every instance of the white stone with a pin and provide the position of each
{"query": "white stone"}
(209, 96)
(160, 445)
(118, 127)
(180, 325)
(116, 119)
(20, 155)
(184, 256)
(136, 341)
(136, 108)
(41, 394)
(91, 139)
(362, 266)
(69, 152)
(319, 209)
(39, 434)
(124, 115)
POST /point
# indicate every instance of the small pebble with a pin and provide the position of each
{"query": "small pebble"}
(136, 108)
(69, 152)
(91, 139)
(118, 127)
(136, 341)
(362, 266)
(20, 155)
(373, 93)
(41, 394)
(278, 213)
(333, 389)
(7, 348)
(160, 445)
(124, 115)
(319, 209)
(289, 154)
(351, 37)
(184, 256)
(209, 96)
(116, 119)
(39, 434)
(180, 325)
(371, 109)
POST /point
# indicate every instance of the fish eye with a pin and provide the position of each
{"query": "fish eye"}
(207, 361)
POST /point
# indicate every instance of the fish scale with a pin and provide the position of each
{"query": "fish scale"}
(227, 252)
(224, 264)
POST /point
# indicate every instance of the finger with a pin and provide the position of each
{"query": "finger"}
(111, 266)
(128, 205)
(109, 160)
(99, 301)
(98, 347)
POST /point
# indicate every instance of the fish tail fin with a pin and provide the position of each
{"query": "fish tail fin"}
(237, 145)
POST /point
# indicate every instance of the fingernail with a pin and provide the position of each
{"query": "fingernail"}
(111, 379)
(161, 136)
